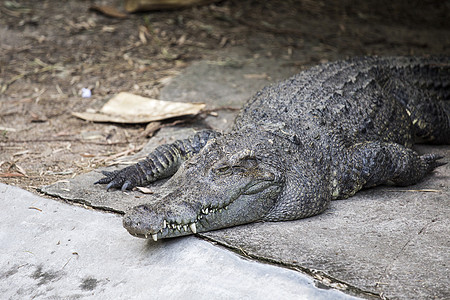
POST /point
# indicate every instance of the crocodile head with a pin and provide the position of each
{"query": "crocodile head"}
(216, 188)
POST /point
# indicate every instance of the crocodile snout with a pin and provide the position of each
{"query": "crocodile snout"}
(142, 221)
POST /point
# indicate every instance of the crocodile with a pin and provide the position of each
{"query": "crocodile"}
(321, 135)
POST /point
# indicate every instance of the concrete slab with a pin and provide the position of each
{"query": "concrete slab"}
(227, 82)
(53, 250)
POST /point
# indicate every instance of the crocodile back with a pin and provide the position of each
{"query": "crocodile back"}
(358, 100)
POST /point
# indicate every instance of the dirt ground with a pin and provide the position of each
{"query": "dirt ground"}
(50, 50)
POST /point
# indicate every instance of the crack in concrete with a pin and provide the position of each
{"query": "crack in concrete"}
(79, 202)
(321, 277)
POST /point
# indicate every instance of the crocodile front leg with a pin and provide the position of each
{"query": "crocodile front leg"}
(375, 163)
(162, 162)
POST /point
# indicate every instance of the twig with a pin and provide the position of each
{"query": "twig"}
(61, 140)
(120, 154)
(270, 28)
(32, 207)
(221, 108)
(45, 68)
(8, 175)
(417, 191)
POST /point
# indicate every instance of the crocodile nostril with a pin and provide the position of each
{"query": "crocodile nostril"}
(127, 221)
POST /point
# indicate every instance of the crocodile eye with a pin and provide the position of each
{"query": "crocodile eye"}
(223, 170)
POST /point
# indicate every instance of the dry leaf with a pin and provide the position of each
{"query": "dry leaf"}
(21, 170)
(7, 129)
(143, 33)
(144, 5)
(37, 118)
(109, 11)
(256, 76)
(151, 128)
(144, 190)
(131, 109)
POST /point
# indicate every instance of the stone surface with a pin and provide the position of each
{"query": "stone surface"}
(226, 83)
(53, 250)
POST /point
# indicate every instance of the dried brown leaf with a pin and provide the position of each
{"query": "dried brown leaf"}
(144, 5)
(109, 11)
(256, 76)
(131, 109)
(144, 190)
(151, 128)
(21, 170)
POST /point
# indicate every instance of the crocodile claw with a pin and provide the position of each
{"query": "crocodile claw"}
(108, 177)
(126, 185)
(117, 179)
(432, 161)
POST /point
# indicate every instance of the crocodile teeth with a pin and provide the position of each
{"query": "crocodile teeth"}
(193, 227)
(205, 211)
(154, 237)
(164, 224)
(146, 235)
(185, 227)
(179, 227)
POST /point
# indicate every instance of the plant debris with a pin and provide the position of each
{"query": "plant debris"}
(109, 11)
(132, 109)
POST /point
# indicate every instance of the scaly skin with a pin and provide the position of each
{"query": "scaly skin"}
(321, 135)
